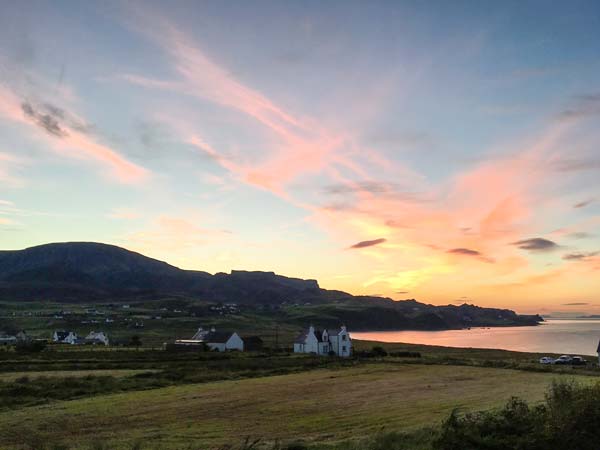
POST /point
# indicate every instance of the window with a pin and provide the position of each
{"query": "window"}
(343, 348)
(343, 337)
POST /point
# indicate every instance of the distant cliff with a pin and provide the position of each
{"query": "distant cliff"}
(86, 272)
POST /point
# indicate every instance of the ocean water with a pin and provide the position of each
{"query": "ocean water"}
(574, 337)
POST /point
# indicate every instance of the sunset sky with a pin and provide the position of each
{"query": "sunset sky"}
(443, 151)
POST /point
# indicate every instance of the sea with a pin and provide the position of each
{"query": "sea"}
(565, 336)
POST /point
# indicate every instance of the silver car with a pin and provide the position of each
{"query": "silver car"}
(546, 360)
(564, 359)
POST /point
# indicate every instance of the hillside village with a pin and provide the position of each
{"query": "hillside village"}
(329, 342)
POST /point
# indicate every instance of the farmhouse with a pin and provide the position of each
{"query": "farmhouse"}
(211, 340)
(65, 337)
(324, 342)
(223, 341)
(96, 338)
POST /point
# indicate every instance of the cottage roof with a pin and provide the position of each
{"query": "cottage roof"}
(218, 337)
(301, 338)
(61, 335)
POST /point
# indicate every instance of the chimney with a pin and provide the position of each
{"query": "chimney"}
(311, 329)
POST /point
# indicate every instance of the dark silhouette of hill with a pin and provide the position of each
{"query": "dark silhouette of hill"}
(86, 272)
(89, 271)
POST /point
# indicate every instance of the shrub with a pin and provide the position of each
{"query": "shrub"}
(30, 346)
(406, 354)
(567, 420)
(379, 351)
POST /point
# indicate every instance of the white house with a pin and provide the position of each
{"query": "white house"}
(97, 338)
(65, 337)
(223, 341)
(322, 342)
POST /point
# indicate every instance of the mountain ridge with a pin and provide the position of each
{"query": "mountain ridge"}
(90, 272)
(96, 270)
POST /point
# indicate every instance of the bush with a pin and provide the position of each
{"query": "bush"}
(30, 346)
(567, 420)
(405, 354)
(379, 351)
(376, 352)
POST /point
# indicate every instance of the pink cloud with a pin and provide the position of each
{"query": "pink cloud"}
(300, 145)
(71, 142)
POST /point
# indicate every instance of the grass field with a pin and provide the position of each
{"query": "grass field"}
(117, 373)
(321, 405)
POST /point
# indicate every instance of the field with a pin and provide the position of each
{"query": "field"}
(216, 401)
(123, 397)
(118, 373)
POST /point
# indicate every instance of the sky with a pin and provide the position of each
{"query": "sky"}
(443, 151)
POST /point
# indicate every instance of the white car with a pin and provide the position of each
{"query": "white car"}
(546, 360)
(564, 359)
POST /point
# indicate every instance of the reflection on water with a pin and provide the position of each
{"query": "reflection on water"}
(554, 336)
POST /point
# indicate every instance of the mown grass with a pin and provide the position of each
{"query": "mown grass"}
(34, 375)
(318, 406)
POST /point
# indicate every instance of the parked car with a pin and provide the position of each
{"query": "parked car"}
(578, 361)
(564, 359)
(546, 360)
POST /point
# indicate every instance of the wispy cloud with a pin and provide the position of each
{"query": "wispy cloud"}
(371, 243)
(68, 139)
(580, 235)
(582, 106)
(583, 204)
(536, 244)
(299, 146)
(579, 256)
(469, 252)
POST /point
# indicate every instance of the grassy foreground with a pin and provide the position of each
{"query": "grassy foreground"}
(324, 405)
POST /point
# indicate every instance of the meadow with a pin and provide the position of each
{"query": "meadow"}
(78, 398)
(126, 397)
(318, 406)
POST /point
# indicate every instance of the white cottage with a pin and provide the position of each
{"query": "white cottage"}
(322, 342)
(99, 337)
(65, 337)
(224, 341)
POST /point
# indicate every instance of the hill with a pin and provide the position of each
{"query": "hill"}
(88, 272)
